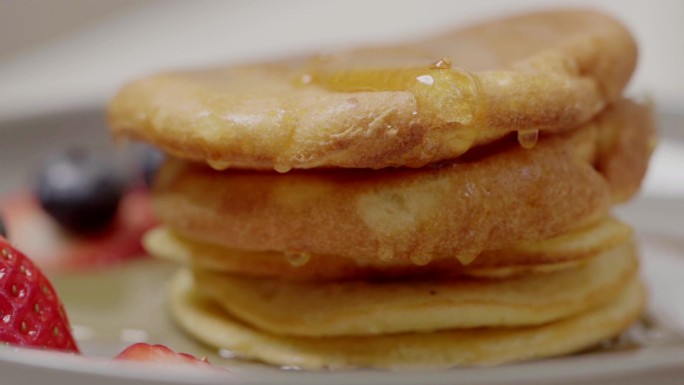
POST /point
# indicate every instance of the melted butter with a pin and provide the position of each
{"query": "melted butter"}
(297, 259)
(528, 138)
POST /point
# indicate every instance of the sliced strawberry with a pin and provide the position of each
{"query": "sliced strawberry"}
(53, 248)
(159, 354)
(30, 312)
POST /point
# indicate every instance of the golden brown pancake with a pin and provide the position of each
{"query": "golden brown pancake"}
(491, 199)
(355, 308)
(442, 202)
(403, 105)
(206, 321)
(623, 154)
(547, 255)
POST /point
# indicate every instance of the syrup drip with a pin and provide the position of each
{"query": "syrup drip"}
(466, 258)
(442, 64)
(528, 138)
(282, 168)
(297, 259)
(420, 259)
(218, 165)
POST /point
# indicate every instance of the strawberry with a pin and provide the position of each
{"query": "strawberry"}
(143, 352)
(30, 313)
(53, 248)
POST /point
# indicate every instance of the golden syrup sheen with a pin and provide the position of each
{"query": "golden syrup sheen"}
(447, 99)
(443, 95)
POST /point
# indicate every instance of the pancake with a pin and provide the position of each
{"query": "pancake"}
(623, 155)
(548, 255)
(490, 199)
(207, 322)
(402, 105)
(354, 308)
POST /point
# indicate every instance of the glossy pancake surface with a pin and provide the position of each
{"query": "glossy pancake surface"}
(403, 105)
(207, 322)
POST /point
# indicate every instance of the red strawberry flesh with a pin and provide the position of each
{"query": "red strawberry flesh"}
(143, 352)
(31, 314)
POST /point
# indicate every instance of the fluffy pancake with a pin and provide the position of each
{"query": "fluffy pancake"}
(207, 322)
(353, 308)
(387, 106)
(623, 154)
(526, 258)
(493, 198)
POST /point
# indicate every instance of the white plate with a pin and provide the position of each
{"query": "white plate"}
(114, 307)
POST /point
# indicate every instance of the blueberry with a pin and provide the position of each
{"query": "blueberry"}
(80, 190)
(3, 229)
(151, 159)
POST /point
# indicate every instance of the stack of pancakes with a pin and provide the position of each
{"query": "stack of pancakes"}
(439, 203)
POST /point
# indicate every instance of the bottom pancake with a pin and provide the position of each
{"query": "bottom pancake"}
(351, 308)
(208, 323)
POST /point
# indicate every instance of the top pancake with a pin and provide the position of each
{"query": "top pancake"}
(386, 106)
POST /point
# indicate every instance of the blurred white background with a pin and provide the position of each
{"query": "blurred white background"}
(65, 54)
